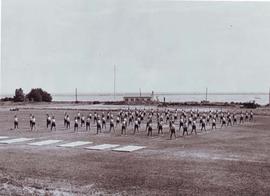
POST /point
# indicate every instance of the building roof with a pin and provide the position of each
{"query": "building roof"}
(142, 97)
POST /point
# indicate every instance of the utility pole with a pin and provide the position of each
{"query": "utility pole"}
(1, 65)
(269, 98)
(140, 92)
(206, 94)
(114, 81)
(76, 95)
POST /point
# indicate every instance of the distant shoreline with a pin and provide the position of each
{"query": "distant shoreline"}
(149, 93)
(154, 103)
(260, 98)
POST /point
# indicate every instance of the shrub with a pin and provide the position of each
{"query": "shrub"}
(7, 99)
(38, 95)
(19, 95)
(251, 105)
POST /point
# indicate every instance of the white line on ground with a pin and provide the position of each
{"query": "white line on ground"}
(74, 144)
(129, 148)
(15, 140)
(45, 142)
(102, 147)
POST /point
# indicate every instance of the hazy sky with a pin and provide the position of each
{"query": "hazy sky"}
(165, 46)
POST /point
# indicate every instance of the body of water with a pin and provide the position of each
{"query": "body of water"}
(260, 98)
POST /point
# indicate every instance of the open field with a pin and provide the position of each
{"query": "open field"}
(228, 161)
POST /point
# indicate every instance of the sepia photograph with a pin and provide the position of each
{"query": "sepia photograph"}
(134, 97)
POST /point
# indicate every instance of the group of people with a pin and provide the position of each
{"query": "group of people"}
(133, 119)
(51, 122)
(194, 119)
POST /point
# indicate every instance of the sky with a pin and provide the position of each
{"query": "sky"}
(159, 45)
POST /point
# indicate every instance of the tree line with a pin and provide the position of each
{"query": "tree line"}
(35, 95)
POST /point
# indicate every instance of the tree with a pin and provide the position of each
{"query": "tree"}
(38, 95)
(19, 95)
(46, 96)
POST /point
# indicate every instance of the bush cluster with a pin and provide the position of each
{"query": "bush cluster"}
(36, 95)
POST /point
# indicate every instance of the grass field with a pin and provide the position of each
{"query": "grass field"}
(228, 161)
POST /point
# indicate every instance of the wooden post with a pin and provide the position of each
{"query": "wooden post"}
(206, 94)
(76, 96)
(114, 81)
(269, 98)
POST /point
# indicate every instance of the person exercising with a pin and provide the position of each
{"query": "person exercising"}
(16, 122)
(53, 125)
(193, 127)
(172, 130)
(48, 120)
(112, 125)
(149, 129)
(88, 120)
(76, 124)
(185, 128)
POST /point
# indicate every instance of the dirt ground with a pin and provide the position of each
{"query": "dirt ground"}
(228, 161)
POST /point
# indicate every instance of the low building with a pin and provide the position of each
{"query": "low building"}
(138, 99)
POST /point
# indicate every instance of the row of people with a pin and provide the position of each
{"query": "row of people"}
(135, 119)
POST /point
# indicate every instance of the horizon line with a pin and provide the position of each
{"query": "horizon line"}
(149, 93)
(163, 93)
